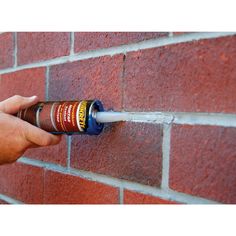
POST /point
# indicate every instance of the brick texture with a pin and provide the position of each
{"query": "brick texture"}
(56, 154)
(22, 182)
(85, 41)
(127, 151)
(99, 78)
(68, 189)
(38, 46)
(203, 162)
(26, 82)
(3, 202)
(131, 197)
(196, 76)
(181, 33)
(6, 50)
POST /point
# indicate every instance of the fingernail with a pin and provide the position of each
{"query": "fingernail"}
(33, 97)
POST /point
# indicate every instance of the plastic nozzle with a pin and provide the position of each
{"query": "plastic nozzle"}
(110, 116)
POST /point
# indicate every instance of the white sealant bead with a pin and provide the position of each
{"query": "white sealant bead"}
(111, 116)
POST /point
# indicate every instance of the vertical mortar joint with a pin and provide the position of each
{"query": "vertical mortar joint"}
(72, 41)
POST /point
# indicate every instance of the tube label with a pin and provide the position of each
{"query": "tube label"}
(66, 116)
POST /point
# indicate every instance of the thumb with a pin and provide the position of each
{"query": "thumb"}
(13, 104)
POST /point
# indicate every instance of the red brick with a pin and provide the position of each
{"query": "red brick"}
(67, 189)
(3, 202)
(203, 162)
(181, 33)
(127, 151)
(55, 154)
(85, 41)
(22, 182)
(38, 46)
(131, 197)
(88, 79)
(196, 76)
(25, 82)
(6, 50)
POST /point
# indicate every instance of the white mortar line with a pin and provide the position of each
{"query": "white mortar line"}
(189, 118)
(15, 49)
(45, 63)
(165, 156)
(218, 119)
(72, 43)
(123, 49)
(168, 194)
(121, 196)
(9, 199)
(154, 191)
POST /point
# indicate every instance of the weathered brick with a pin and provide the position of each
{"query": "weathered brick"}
(3, 202)
(22, 182)
(26, 82)
(55, 154)
(181, 33)
(6, 50)
(67, 189)
(203, 162)
(38, 46)
(99, 78)
(85, 41)
(127, 151)
(196, 76)
(131, 197)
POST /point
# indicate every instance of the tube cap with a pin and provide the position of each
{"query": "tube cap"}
(94, 128)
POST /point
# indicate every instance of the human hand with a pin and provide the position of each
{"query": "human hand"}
(16, 135)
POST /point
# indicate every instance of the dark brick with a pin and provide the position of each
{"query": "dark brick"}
(197, 76)
(203, 162)
(38, 46)
(6, 50)
(3, 202)
(67, 189)
(55, 154)
(85, 41)
(22, 182)
(131, 197)
(27, 82)
(127, 151)
(181, 33)
(88, 79)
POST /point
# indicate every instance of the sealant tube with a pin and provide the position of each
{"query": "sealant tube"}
(65, 117)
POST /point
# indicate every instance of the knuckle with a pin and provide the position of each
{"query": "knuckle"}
(17, 97)
(46, 141)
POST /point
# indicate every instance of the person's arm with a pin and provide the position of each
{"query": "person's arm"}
(16, 135)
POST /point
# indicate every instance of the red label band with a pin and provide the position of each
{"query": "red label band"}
(68, 116)
(65, 116)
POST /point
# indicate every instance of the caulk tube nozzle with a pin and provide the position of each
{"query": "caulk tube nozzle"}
(110, 116)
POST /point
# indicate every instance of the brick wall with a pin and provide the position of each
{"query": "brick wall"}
(180, 89)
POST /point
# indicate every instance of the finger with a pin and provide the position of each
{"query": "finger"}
(13, 104)
(38, 136)
(33, 145)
